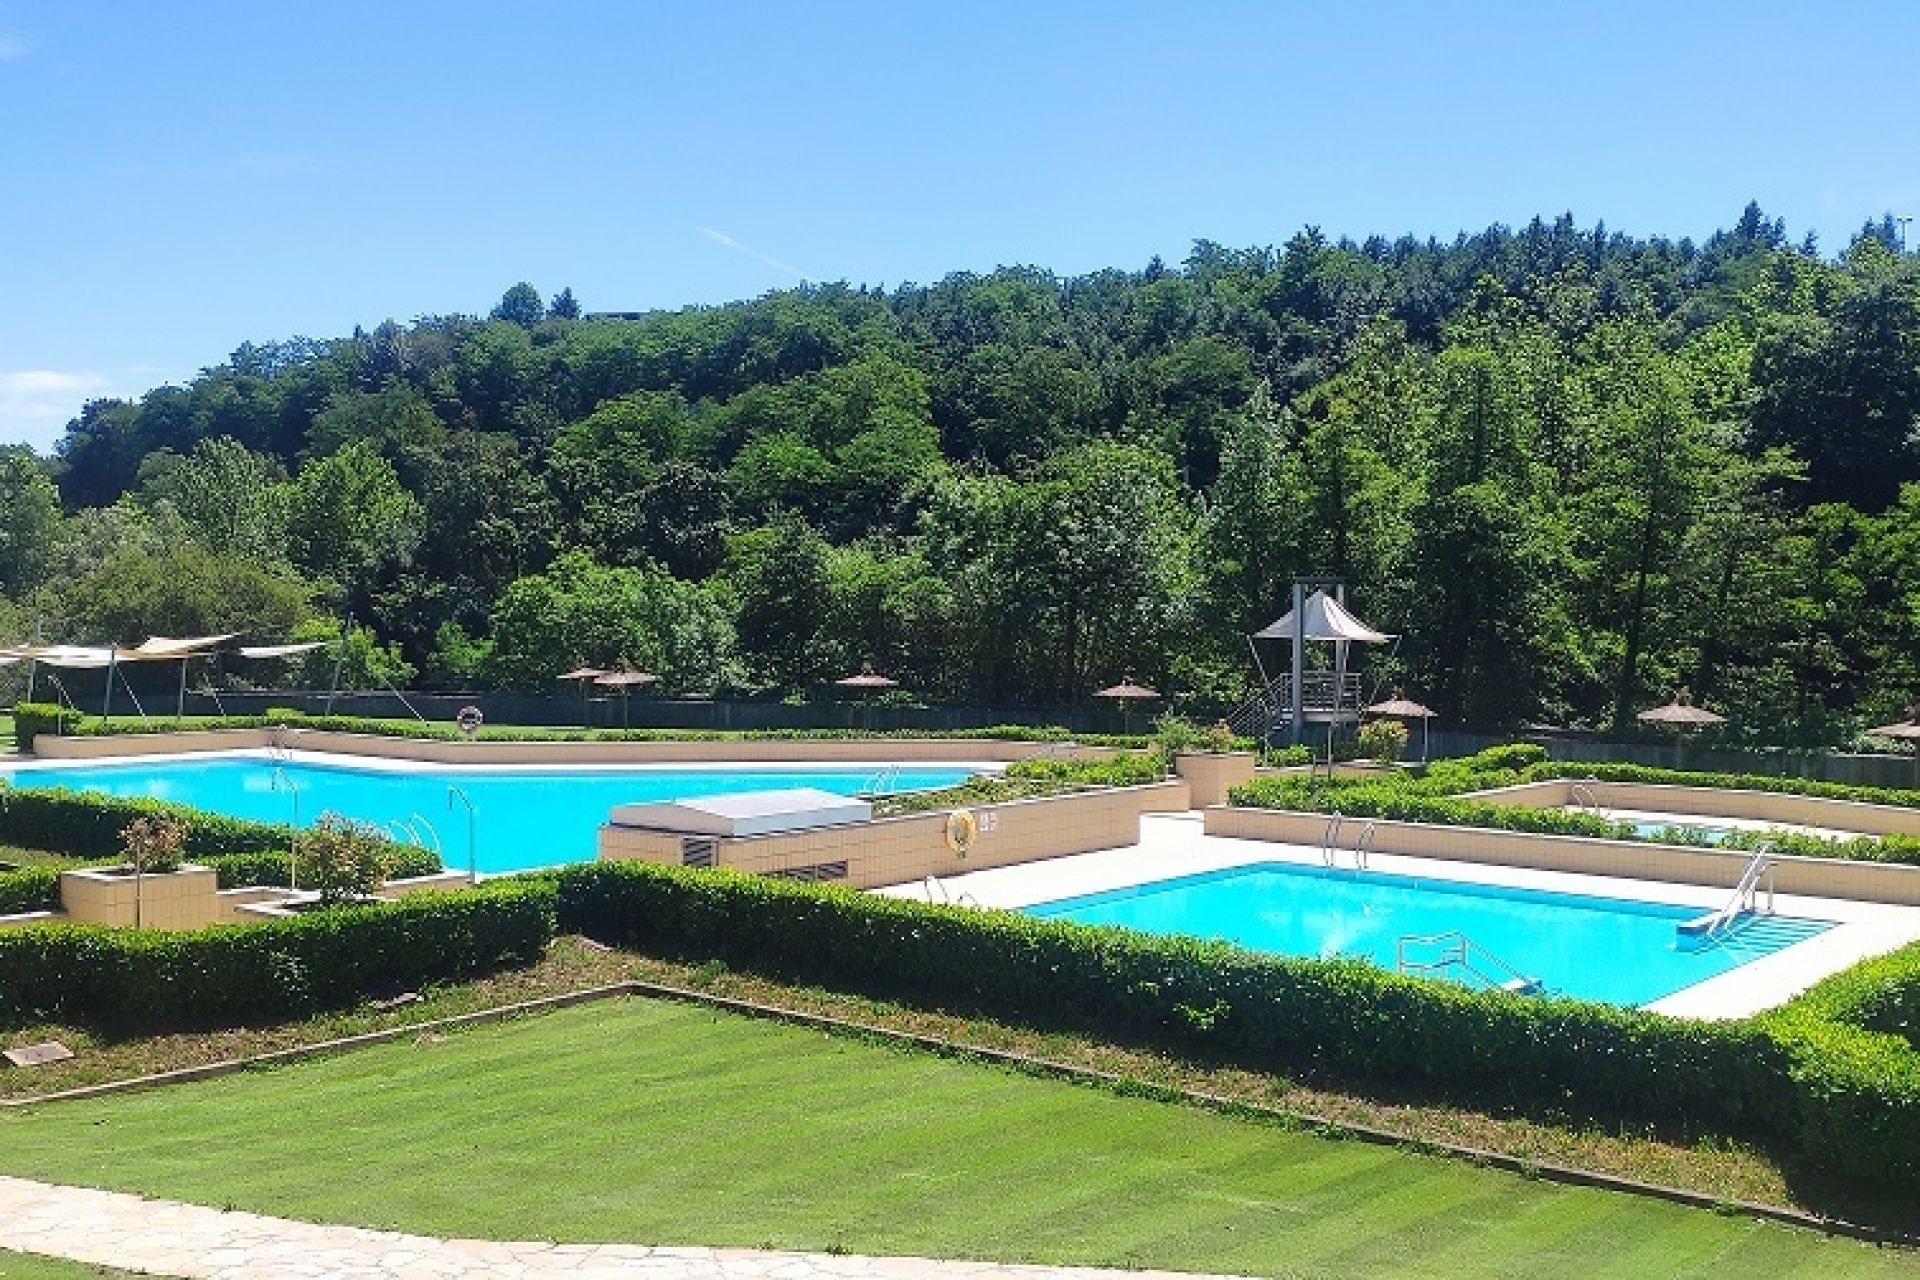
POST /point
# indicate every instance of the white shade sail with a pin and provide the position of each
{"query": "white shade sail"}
(281, 650)
(1324, 618)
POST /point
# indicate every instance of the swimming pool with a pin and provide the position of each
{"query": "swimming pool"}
(522, 818)
(1692, 832)
(1595, 948)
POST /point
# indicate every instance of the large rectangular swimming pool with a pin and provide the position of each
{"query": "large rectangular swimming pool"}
(523, 818)
(1611, 949)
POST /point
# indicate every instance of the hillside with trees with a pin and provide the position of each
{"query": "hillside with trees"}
(1573, 468)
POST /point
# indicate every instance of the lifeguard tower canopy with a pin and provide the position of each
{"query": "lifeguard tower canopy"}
(1325, 696)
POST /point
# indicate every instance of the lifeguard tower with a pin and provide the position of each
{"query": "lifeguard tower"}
(1306, 694)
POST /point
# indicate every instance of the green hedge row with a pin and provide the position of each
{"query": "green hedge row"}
(1880, 994)
(29, 889)
(1405, 804)
(87, 824)
(1902, 797)
(132, 980)
(1839, 1098)
(34, 718)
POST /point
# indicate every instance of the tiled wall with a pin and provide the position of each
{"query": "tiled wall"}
(1814, 877)
(905, 849)
(781, 751)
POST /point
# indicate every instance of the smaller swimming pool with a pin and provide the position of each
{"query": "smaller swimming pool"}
(1611, 949)
(1686, 832)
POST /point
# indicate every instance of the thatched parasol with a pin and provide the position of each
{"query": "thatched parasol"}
(1400, 707)
(626, 682)
(1683, 717)
(870, 680)
(584, 675)
(1126, 693)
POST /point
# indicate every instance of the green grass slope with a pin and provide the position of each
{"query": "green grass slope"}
(655, 1122)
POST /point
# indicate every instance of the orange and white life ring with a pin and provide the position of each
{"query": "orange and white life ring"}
(469, 720)
(961, 830)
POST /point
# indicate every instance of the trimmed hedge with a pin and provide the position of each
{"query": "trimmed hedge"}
(1434, 797)
(132, 980)
(1835, 1097)
(1604, 772)
(272, 866)
(1880, 994)
(31, 719)
(29, 889)
(87, 824)
(44, 718)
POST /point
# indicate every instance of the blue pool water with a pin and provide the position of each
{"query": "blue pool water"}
(1593, 948)
(1699, 831)
(523, 817)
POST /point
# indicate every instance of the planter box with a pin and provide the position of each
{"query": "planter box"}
(182, 899)
(1210, 773)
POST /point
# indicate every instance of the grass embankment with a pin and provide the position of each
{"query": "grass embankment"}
(657, 1122)
(32, 1266)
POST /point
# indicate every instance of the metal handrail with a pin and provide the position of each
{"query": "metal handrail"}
(1329, 838)
(1363, 847)
(1584, 787)
(1458, 949)
(1746, 893)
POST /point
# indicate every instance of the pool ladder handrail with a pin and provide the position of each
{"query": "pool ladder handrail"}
(947, 899)
(1746, 893)
(1459, 949)
(1362, 847)
(884, 782)
(1581, 795)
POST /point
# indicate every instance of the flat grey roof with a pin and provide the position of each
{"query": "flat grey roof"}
(743, 813)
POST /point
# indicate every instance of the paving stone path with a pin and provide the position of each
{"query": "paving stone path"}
(166, 1238)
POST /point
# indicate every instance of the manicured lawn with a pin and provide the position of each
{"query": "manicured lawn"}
(665, 1123)
(31, 1266)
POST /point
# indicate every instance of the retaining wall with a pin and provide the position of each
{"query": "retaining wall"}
(1633, 859)
(680, 751)
(866, 855)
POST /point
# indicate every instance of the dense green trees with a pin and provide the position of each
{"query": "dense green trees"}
(1571, 468)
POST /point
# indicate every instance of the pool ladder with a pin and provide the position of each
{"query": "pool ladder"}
(1459, 952)
(1745, 899)
(885, 782)
(1362, 847)
(1582, 796)
(934, 885)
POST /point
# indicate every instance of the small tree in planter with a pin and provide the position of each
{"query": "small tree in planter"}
(154, 845)
(342, 860)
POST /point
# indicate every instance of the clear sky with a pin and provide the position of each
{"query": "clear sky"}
(178, 178)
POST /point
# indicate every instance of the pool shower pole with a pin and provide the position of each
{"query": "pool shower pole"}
(473, 850)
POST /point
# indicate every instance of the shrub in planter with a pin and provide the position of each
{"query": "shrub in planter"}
(343, 860)
(1383, 740)
(31, 719)
(154, 844)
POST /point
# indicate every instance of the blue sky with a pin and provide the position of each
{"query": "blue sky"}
(182, 178)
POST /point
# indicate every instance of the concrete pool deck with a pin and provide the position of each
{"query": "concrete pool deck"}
(1176, 845)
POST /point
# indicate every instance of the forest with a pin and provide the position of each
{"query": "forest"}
(1571, 468)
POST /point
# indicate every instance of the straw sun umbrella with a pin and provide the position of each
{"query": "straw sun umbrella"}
(625, 682)
(1126, 693)
(584, 675)
(1907, 730)
(870, 681)
(1400, 707)
(1683, 717)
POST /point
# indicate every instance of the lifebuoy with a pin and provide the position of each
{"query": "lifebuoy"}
(469, 720)
(961, 829)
